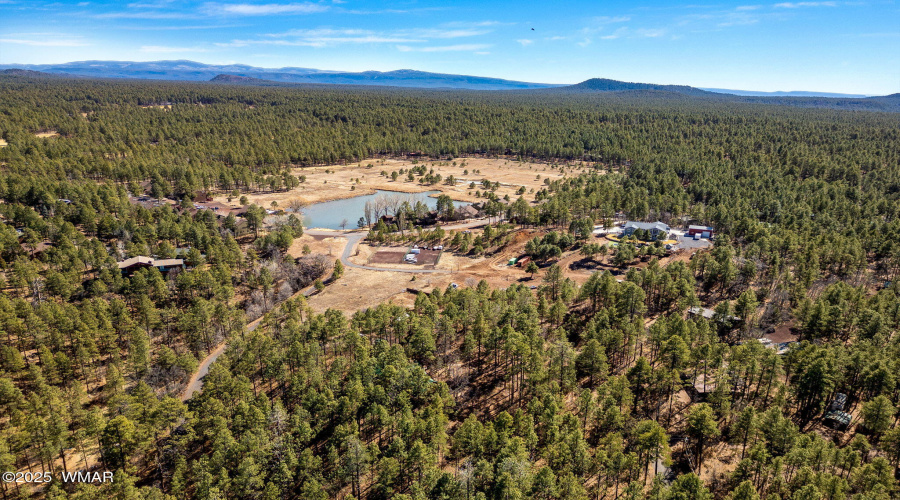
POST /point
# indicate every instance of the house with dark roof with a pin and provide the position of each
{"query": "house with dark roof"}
(466, 212)
(838, 420)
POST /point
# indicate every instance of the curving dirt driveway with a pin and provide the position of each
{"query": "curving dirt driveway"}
(195, 384)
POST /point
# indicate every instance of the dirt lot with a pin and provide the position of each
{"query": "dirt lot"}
(387, 257)
(48, 133)
(318, 244)
(392, 256)
(360, 289)
(332, 182)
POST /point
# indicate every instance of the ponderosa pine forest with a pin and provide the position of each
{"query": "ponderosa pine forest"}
(564, 384)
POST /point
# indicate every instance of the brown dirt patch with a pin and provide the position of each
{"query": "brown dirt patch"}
(46, 134)
(424, 257)
(325, 245)
(361, 289)
(387, 257)
(783, 333)
(333, 182)
(3, 143)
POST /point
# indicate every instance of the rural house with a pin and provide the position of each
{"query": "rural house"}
(129, 266)
(656, 229)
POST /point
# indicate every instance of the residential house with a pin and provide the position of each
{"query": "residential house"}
(129, 266)
(656, 229)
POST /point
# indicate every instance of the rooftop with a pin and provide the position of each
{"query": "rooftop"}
(661, 226)
(141, 260)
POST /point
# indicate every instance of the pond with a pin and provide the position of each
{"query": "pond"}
(330, 214)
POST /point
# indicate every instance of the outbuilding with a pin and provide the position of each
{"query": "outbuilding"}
(703, 231)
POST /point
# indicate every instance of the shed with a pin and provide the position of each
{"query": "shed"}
(702, 231)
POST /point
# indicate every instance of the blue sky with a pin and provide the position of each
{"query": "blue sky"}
(826, 46)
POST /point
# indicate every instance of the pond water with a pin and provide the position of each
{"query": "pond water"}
(330, 214)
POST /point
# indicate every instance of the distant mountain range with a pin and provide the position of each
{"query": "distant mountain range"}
(194, 71)
(607, 85)
(238, 74)
(793, 93)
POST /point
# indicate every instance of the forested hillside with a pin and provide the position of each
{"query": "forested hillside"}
(605, 389)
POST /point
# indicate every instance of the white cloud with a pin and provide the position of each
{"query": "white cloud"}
(456, 24)
(419, 34)
(619, 33)
(160, 49)
(471, 47)
(44, 43)
(323, 37)
(598, 25)
(650, 33)
(609, 19)
(146, 15)
(525, 42)
(269, 9)
(158, 4)
(797, 5)
(445, 33)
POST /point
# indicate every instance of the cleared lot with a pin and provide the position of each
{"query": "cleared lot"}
(333, 182)
(393, 256)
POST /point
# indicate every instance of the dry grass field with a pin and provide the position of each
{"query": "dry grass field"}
(332, 182)
(324, 245)
(361, 289)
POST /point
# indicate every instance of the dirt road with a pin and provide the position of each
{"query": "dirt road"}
(195, 384)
